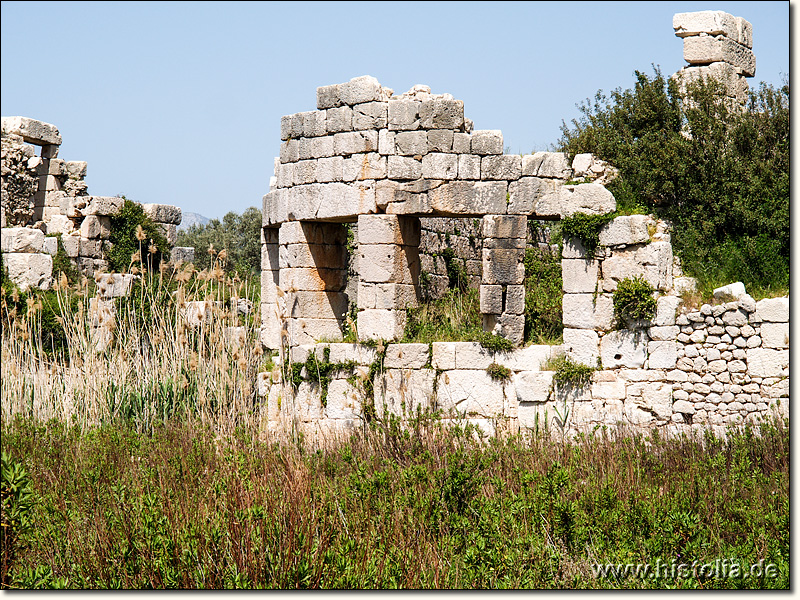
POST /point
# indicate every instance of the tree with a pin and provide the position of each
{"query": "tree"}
(238, 235)
(720, 175)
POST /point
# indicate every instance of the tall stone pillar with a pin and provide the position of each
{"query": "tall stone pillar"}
(502, 293)
(270, 271)
(313, 274)
(388, 255)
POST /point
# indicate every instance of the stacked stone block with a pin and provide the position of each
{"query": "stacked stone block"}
(389, 268)
(312, 276)
(28, 256)
(464, 239)
(502, 291)
(717, 45)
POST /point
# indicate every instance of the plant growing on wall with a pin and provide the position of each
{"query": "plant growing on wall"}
(586, 228)
(133, 231)
(634, 301)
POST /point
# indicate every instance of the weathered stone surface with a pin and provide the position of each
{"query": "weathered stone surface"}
(666, 307)
(707, 49)
(469, 166)
(388, 229)
(309, 331)
(552, 165)
(732, 290)
(355, 142)
(773, 309)
(468, 198)
(507, 167)
(444, 355)
(623, 349)
(533, 386)
(708, 22)
(775, 335)
(653, 262)
(343, 401)
(406, 356)
(411, 143)
(507, 325)
(403, 114)
(588, 198)
(29, 270)
(311, 233)
(487, 142)
(440, 166)
(530, 358)
(579, 275)
(114, 285)
(388, 263)
(503, 266)
(313, 279)
(22, 239)
(363, 355)
(387, 295)
(582, 345)
(515, 299)
(491, 299)
(109, 206)
(359, 90)
(404, 167)
(31, 130)
(321, 201)
(327, 97)
(662, 354)
(403, 392)
(766, 362)
(163, 213)
(316, 304)
(525, 193)
(441, 113)
(381, 324)
(470, 393)
(370, 115)
(627, 230)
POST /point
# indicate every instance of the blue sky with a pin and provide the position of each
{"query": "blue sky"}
(180, 103)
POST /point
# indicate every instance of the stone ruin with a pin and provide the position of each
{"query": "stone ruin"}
(44, 195)
(400, 168)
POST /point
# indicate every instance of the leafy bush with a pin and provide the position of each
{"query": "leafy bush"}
(586, 228)
(634, 301)
(16, 500)
(238, 235)
(543, 296)
(720, 175)
(133, 231)
(569, 373)
(498, 372)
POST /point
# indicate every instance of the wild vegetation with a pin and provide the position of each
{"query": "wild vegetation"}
(238, 235)
(720, 175)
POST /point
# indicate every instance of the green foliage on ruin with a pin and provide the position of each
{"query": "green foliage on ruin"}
(124, 243)
(585, 228)
(633, 300)
(238, 235)
(721, 176)
(543, 297)
(568, 373)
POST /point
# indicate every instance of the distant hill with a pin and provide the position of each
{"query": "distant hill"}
(190, 218)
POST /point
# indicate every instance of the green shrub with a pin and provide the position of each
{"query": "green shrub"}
(124, 243)
(568, 373)
(585, 228)
(634, 301)
(543, 297)
(63, 264)
(721, 176)
(16, 501)
(238, 235)
(498, 372)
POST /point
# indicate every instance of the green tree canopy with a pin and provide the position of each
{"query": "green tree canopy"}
(238, 235)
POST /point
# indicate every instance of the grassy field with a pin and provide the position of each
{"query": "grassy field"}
(182, 507)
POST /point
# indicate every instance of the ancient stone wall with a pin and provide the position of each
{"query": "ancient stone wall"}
(47, 195)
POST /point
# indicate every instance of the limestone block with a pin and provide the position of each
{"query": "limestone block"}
(50, 246)
(506, 167)
(665, 333)
(359, 90)
(709, 22)
(381, 324)
(406, 356)
(773, 309)
(439, 166)
(161, 213)
(316, 304)
(318, 147)
(310, 331)
(707, 49)
(31, 130)
(388, 263)
(355, 142)
(339, 119)
(370, 115)
(329, 169)
(766, 362)
(729, 76)
(775, 335)
(72, 244)
(290, 151)
(491, 299)
(443, 355)
(343, 401)
(683, 285)
(732, 290)
(623, 349)
(507, 325)
(402, 167)
(441, 113)
(470, 393)
(311, 279)
(489, 141)
(22, 239)
(107, 206)
(114, 285)
(573, 248)
(526, 192)
(503, 266)
(367, 166)
(502, 226)
(328, 97)
(533, 386)
(666, 308)
(60, 224)
(388, 229)
(469, 166)
(626, 230)
(327, 201)
(314, 124)
(411, 143)
(440, 140)
(29, 270)
(461, 143)
(91, 248)
(735, 318)
(552, 165)
(614, 389)
(579, 275)
(662, 354)
(587, 198)
(515, 299)
(403, 392)
(363, 355)
(530, 358)
(386, 142)
(471, 355)
(468, 198)
(403, 114)
(582, 345)
(584, 311)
